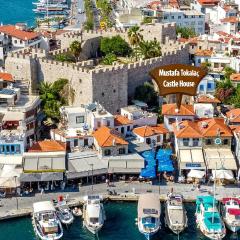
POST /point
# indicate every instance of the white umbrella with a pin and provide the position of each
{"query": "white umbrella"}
(223, 174)
(196, 173)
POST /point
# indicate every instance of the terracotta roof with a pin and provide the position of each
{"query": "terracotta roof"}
(187, 129)
(207, 53)
(190, 40)
(234, 115)
(230, 20)
(235, 128)
(207, 99)
(235, 77)
(48, 146)
(170, 109)
(213, 127)
(107, 137)
(154, 5)
(6, 77)
(208, 2)
(120, 120)
(147, 131)
(17, 33)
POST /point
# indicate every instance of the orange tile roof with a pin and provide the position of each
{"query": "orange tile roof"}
(6, 77)
(213, 127)
(107, 137)
(17, 33)
(187, 129)
(235, 77)
(185, 109)
(208, 2)
(48, 146)
(230, 20)
(204, 53)
(190, 40)
(148, 131)
(154, 5)
(120, 120)
(207, 99)
(235, 128)
(234, 115)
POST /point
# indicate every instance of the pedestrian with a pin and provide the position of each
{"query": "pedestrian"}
(199, 186)
(107, 182)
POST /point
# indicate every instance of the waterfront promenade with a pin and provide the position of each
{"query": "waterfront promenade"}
(125, 191)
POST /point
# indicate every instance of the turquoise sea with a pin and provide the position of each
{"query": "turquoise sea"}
(120, 225)
(13, 11)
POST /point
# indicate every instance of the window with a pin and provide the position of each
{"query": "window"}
(98, 124)
(208, 141)
(12, 148)
(75, 142)
(103, 94)
(128, 128)
(122, 129)
(121, 151)
(179, 17)
(171, 120)
(209, 85)
(148, 140)
(201, 87)
(107, 152)
(1, 149)
(158, 138)
(17, 148)
(185, 142)
(165, 17)
(225, 142)
(108, 123)
(195, 142)
(80, 119)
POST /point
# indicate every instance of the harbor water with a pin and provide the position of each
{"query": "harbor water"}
(120, 225)
(14, 11)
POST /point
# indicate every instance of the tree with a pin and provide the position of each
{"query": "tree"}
(76, 48)
(225, 91)
(64, 57)
(148, 49)
(147, 94)
(186, 32)
(109, 59)
(115, 45)
(228, 71)
(134, 36)
(147, 20)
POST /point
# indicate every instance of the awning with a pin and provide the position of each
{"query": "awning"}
(41, 177)
(218, 158)
(11, 160)
(191, 159)
(117, 164)
(135, 164)
(196, 173)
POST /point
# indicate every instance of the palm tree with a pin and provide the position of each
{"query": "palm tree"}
(76, 48)
(46, 92)
(134, 36)
(148, 49)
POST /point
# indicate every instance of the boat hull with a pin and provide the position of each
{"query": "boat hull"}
(232, 228)
(93, 230)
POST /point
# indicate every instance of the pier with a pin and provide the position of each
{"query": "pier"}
(16, 207)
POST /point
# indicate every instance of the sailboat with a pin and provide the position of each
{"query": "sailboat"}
(93, 213)
(208, 218)
(175, 213)
(149, 210)
(231, 213)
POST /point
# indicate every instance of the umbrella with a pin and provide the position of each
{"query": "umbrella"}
(196, 173)
(223, 174)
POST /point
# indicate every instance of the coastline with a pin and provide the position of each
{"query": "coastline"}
(126, 193)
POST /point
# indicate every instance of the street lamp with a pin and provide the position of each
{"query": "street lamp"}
(92, 175)
(15, 179)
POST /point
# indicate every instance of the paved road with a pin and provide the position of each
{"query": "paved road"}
(9, 206)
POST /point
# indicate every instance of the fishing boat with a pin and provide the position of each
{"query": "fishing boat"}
(93, 213)
(64, 213)
(231, 213)
(175, 213)
(208, 218)
(149, 210)
(45, 221)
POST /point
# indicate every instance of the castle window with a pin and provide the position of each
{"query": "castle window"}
(103, 94)
(114, 90)
(80, 80)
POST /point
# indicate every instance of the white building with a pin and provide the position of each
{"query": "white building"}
(188, 18)
(207, 85)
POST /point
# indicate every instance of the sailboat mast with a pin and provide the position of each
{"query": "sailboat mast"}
(214, 193)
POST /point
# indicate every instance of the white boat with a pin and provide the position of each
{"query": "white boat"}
(93, 213)
(45, 221)
(64, 213)
(175, 213)
(231, 213)
(149, 211)
(77, 212)
(208, 218)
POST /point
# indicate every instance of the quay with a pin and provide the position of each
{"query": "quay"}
(22, 206)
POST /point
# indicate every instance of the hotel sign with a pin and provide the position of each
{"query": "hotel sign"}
(178, 79)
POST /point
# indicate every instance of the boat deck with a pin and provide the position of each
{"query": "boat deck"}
(177, 216)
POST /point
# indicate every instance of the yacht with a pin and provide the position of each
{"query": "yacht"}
(45, 221)
(93, 213)
(208, 218)
(64, 213)
(149, 211)
(175, 213)
(231, 213)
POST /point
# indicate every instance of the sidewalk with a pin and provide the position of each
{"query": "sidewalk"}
(125, 191)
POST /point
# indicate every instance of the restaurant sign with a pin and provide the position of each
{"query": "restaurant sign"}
(178, 79)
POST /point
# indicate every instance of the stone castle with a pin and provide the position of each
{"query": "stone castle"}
(111, 85)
